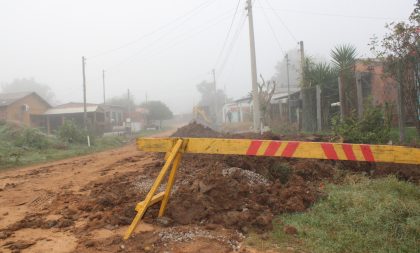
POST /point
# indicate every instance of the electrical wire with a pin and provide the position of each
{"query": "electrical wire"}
(187, 16)
(330, 14)
(281, 21)
(228, 33)
(232, 44)
(272, 29)
(194, 31)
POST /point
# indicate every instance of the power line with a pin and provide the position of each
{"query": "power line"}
(281, 21)
(187, 16)
(272, 29)
(330, 14)
(227, 35)
(195, 30)
(232, 44)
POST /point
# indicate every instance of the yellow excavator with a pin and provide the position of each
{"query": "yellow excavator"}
(200, 115)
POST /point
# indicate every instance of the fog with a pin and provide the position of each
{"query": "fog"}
(165, 48)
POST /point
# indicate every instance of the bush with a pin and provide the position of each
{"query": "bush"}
(371, 128)
(32, 138)
(280, 171)
(69, 132)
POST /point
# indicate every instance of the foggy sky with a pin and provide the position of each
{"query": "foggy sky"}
(45, 40)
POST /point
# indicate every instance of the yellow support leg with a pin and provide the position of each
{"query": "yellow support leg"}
(170, 184)
(146, 203)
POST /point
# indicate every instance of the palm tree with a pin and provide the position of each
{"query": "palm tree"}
(344, 58)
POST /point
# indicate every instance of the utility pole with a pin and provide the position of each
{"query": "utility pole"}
(129, 111)
(288, 88)
(103, 83)
(215, 96)
(302, 61)
(84, 93)
(255, 95)
(84, 100)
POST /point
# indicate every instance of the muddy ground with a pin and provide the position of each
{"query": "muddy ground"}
(85, 204)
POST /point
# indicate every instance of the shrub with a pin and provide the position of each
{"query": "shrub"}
(70, 132)
(280, 171)
(32, 138)
(371, 128)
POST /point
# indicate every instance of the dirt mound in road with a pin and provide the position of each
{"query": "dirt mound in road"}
(196, 130)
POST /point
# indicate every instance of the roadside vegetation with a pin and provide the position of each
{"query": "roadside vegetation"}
(24, 146)
(362, 215)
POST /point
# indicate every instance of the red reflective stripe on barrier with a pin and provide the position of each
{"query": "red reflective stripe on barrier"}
(290, 149)
(348, 150)
(272, 148)
(367, 153)
(329, 151)
(253, 148)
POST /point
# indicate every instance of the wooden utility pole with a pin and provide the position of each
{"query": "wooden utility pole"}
(255, 95)
(289, 112)
(103, 83)
(128, 121)
(84, 93)
(215, 96)
(302, 62)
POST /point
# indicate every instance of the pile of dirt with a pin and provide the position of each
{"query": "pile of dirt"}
(237, 198)
(196, 130)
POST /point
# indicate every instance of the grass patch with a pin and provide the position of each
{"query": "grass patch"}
(56, 151)
(411, 136)
(381, 215)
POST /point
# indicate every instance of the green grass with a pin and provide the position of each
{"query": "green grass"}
(381, 215)
(55, 149)
(56, 152)
(410, 135)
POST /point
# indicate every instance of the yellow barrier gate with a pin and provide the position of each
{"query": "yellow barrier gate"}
(174, 147)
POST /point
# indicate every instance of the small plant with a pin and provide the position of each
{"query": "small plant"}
(371, 128)
(280, 171)
(69, 132)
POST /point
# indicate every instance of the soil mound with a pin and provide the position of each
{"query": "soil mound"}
(237, 198)
(196, 130)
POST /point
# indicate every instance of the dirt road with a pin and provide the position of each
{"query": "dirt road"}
(44, 208)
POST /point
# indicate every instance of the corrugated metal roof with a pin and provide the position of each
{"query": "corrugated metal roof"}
(69, 110)
(9, 98)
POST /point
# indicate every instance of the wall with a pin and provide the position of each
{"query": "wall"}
(383, 89)
(36, 107)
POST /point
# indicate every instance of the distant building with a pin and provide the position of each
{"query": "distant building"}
(55, 117)
(24, 108)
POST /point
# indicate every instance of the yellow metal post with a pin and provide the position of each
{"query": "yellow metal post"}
(170, 184)
(156, 184)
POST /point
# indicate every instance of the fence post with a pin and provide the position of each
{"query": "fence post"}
(359, 92)
(341, 97)
(318, 109)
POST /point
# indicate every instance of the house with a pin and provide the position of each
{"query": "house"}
(24, 108)
(114, 117)
(239, 110)
(55, 117)
(375, 85)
